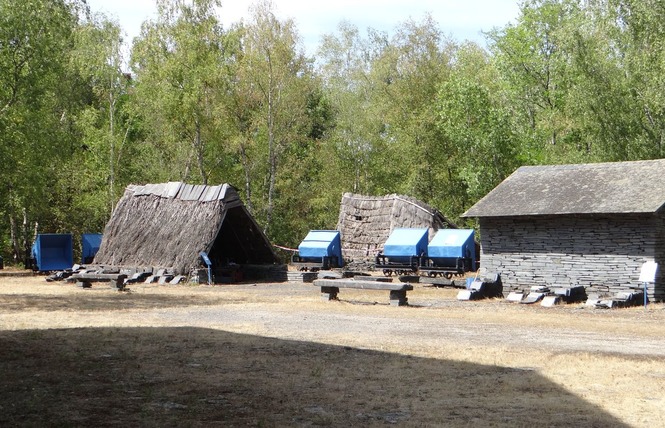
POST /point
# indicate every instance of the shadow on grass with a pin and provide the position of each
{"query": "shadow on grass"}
(203, 377)
(99, 302)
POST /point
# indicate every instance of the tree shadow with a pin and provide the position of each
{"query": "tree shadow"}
(100, 302)
(203, 377)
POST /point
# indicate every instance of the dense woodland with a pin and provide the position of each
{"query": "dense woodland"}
(411, 112)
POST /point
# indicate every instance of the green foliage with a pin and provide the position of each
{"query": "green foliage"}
(586, 77)
(180, 86)
(404, 112)
(35, 102)
(286, 105)
(475, 127)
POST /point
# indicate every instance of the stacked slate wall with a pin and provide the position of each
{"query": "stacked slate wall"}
(659, 289)
(604, 254)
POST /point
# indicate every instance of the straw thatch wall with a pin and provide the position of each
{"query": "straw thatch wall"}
(168, 225)
(365, 222)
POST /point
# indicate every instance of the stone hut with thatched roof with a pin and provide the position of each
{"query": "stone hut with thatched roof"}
(365, 222)
(168, 225)
(591, 225)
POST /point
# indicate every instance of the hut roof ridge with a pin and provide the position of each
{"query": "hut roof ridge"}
(186, 192)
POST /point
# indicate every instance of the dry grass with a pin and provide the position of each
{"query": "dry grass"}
(278, 356)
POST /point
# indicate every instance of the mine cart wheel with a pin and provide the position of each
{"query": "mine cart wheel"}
(431, 274)
(448, 275)
(388, 272)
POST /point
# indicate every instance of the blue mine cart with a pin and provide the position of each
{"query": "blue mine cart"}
(403, 251)
(90, 243)
(451, 252)
(52, 251)
(321, 249)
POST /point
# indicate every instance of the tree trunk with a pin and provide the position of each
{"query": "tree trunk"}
(16, 246)
(21, 247)
(248, 187)
(272, 156)
(26, 241)
(198, 148)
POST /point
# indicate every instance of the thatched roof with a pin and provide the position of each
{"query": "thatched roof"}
(167, 225)
(365, 222)
(600, 188)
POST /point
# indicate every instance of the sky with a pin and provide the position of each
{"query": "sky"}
(460, 19)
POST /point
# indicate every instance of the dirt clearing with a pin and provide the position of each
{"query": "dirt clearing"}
(276, 355)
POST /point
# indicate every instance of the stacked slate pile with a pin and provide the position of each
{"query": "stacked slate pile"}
(482, 289)
(302, 276)
(622, 299)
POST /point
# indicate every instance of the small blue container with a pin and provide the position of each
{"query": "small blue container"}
(90, 243)
(448, 245)
(403, 244)
(52, 251)
(319, 244)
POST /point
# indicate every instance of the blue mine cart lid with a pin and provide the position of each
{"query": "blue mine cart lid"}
(406, 243)
(321, 243)
(453, 243)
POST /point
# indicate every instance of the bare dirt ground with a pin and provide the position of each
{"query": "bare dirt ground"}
(277, 355)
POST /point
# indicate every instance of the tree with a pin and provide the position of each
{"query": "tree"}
(620, 55)
(179, 65)
(407, 75)
(384, 91)
(35, 110)
(102, 124)
(535, 63)
(344, 63)
(586, 77)
(478, 131)
(278, 82)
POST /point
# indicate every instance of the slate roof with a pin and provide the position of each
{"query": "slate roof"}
(599, 188)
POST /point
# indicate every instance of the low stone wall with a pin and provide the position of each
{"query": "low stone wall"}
(602, 253)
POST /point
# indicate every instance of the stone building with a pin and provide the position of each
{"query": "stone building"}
(593, 225)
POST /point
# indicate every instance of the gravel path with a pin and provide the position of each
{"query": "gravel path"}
(348, 322)
(295, 312)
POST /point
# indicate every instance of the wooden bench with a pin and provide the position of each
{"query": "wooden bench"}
(330, 288)
(85, 280)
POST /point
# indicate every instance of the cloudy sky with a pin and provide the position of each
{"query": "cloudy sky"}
(463, 20)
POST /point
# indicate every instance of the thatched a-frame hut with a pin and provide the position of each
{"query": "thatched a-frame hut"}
(166, 226)
(365, 222)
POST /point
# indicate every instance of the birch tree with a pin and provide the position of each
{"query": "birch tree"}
(278, 78)
(178, 62)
